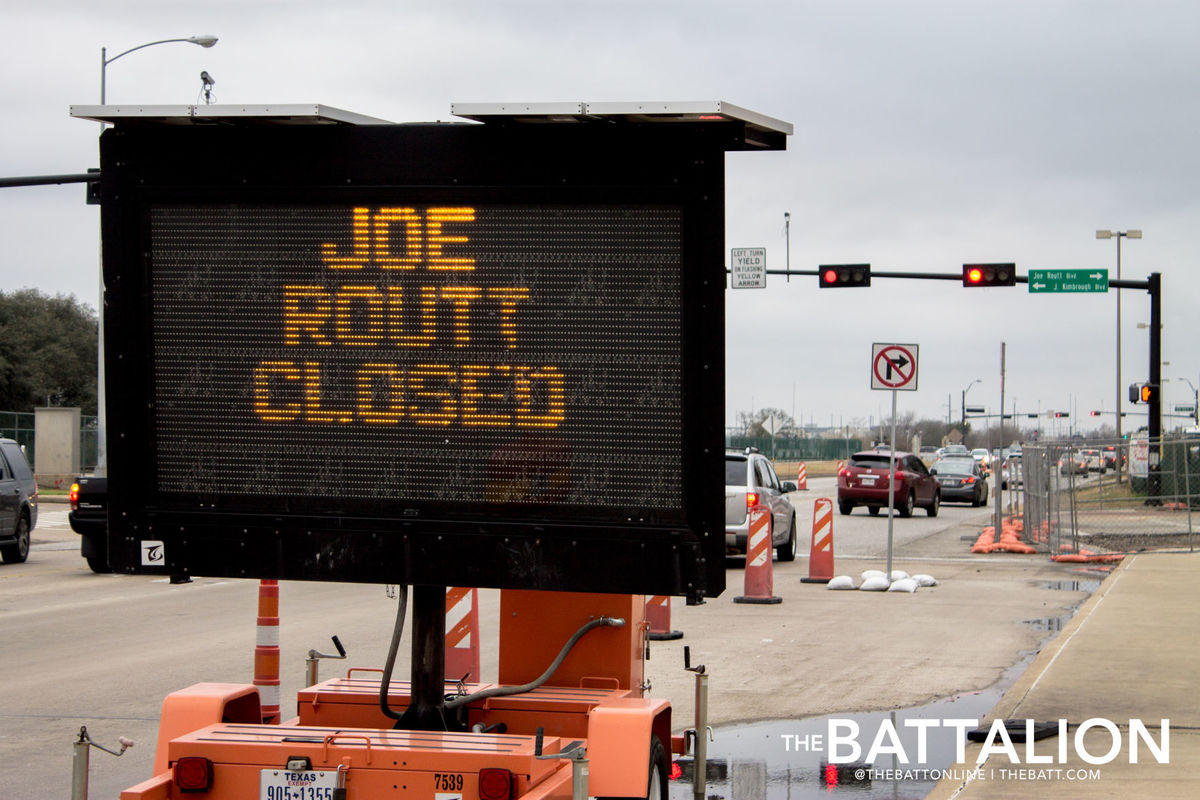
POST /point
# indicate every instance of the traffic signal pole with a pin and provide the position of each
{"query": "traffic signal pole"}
(1152, 285)
(1154, 474)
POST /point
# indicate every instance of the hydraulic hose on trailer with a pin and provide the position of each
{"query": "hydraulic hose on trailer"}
(391, 656)
(504, 691)
(495, 691)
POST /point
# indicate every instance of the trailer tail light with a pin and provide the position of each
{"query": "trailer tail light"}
(495, 783)
(751, 500)
(75, 496)
(193, 774)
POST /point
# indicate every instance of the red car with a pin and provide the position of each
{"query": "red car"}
(864, 482)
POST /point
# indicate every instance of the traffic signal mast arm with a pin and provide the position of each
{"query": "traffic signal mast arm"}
(944, 276)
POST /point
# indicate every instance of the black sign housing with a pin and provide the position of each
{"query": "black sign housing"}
(480, 355)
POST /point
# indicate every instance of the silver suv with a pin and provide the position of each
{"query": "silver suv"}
(750, 480)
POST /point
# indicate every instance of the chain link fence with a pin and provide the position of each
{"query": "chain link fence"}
(1115, 496)
(794, 448)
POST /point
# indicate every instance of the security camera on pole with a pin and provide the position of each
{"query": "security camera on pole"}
(893, 368)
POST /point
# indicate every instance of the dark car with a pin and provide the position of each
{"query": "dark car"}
(89, 518)
(962, 480)
(18, 503)
(864, 482)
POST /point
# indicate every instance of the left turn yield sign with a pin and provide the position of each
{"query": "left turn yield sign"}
(894, 366)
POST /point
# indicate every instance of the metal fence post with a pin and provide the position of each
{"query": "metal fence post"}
(1187, 488)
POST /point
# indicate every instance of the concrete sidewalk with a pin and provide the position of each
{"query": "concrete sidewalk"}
(1131, 652)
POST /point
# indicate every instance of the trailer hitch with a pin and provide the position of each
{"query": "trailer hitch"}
(310, 664)
(576, 752)
(696, 737)
(82, 758)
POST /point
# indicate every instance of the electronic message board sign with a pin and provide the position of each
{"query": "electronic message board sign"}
(443, 354)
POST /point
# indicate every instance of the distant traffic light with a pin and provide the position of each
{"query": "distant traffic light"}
(834, 276)
(1061, 414)
(989, 275)
(1095, 413)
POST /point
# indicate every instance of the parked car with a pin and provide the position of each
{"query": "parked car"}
(864, 482)
(1072, 463)
(18, 503)
(750, 481)
(962, 480)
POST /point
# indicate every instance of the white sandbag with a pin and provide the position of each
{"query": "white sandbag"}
(899, 575)
(925, 580)
(874, 584)
(903, 585)
(841, 582)
(872, 573)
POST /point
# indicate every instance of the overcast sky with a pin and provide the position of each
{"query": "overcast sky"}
(927, 134)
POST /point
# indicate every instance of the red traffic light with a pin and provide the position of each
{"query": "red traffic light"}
(834, 276)
(989, 275)
(1095, 413)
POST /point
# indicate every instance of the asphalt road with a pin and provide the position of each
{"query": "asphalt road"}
(861, 534)
(103, 650)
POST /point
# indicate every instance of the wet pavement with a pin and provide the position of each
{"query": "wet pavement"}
(791, 759)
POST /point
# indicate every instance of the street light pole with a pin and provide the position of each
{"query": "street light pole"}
(206, 41)
(787, 236)
(1119, 235)
(964, 404)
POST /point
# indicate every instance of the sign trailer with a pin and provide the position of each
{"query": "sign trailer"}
(476, 355)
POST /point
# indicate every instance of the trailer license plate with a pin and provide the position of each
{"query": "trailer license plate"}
(311, 784)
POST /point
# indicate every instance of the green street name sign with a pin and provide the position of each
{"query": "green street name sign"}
(1068, 280)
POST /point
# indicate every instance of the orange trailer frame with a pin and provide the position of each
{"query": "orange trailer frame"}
(595, 699)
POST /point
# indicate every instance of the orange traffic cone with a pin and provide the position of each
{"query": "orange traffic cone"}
(820, 558)
(658, 615)
(760, 580)
(462, 634)
(266, 651)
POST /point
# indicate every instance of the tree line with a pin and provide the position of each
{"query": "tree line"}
(47, 351)
(932, 432)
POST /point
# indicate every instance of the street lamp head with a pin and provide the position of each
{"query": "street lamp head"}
(1133, 234)
(1104, 234)
(206, 40)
